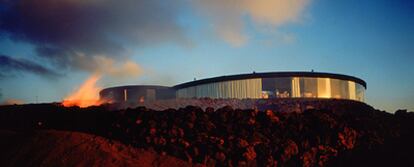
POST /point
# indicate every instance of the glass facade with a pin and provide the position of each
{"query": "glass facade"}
(282, 87)
(240, 89)
(307, 87)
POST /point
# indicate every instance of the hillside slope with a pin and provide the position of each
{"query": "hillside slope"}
(64, 149)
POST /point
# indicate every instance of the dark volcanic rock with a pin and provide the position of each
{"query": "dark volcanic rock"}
(329, 133)
(57, 148)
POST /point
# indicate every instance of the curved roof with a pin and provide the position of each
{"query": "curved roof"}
(135, 87)
(271, 75)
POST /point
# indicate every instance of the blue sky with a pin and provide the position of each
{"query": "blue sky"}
(372, 40)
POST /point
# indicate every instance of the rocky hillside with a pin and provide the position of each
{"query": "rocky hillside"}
(65, 149)
(276, 133)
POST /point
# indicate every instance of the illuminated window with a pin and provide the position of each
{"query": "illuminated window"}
(295, 87)
(339, 89)
(308, 87)
(352, 90)
(324, 88)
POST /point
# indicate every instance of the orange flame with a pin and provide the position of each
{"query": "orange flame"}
(87, 95)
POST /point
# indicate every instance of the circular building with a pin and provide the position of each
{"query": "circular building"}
(276, 85)
(136, 93)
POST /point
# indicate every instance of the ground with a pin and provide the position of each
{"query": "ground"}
(62, 148)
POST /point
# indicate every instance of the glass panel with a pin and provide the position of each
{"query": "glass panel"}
(339, 89)
(324, 88)
(360, 92)
(309, 86)
(352, 90)
(277, 87)
(249, 88)
(296, 87)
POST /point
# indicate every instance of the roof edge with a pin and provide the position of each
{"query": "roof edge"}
(271, 75)
(134, 86)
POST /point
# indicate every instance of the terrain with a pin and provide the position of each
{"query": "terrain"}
(272, 133)
(63, 148)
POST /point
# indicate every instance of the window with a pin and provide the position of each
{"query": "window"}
(339, 89)
(308, 87)
(324, 88)
(277, 87)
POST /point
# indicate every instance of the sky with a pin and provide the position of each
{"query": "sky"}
(48, 48)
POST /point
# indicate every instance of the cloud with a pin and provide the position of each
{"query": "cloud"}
(9, 65)
(71, 34)
(228, 16)
(288, 38)
(80, 34)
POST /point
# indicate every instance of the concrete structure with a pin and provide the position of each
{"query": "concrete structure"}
(249, 86)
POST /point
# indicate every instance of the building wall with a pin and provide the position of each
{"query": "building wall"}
(241, 89)
(137, 93)
(282, 87)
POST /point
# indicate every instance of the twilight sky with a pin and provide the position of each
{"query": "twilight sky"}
(48, 47)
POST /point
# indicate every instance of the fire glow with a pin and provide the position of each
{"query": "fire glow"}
(87, 94)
